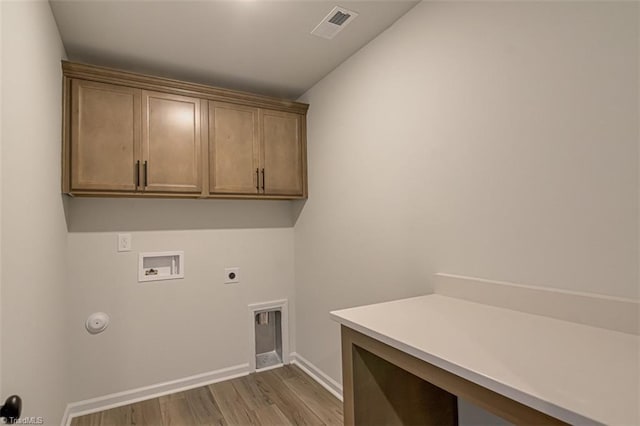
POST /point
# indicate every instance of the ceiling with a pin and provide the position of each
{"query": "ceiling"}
(261, 46)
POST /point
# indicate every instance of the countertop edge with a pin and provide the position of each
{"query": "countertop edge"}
(487, 382)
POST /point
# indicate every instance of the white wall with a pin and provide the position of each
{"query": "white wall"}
(1, 84)
(33, 298)
(487, 139)
(167, 330)
(117, 214)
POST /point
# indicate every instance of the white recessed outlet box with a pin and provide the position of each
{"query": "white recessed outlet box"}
(164, 265)
(231, 275)
(124, 242)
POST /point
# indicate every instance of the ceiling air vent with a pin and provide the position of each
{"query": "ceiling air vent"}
(334, 22)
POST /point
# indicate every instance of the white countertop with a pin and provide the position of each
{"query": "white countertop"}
(576, 373)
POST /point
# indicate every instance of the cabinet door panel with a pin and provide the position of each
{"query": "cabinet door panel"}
(233, 148)
(105, 136)
(171, 143)
(282, 152)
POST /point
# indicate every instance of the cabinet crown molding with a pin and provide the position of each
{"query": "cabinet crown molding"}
(168, 85)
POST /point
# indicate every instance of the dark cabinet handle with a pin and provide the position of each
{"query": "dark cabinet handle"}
(262, 180)
(137, 173)
(257, 180)
(145, 174)
(11, 409)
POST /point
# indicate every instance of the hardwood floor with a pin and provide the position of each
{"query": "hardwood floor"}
(284, 396)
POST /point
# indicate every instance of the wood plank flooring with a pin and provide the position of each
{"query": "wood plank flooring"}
(283, 396)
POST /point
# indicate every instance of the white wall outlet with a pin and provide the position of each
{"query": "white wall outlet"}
(231, 275)
(124, 242)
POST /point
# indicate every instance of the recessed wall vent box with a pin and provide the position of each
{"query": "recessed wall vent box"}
(164, 265)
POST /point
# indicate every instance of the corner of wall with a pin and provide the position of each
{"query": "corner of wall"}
(32, 228)
(1, 133)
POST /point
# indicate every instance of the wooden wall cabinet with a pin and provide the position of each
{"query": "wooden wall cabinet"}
(105, 137)
(282, 153)
(234, 149)
(171, 143)
(255, 151)
(127, 134)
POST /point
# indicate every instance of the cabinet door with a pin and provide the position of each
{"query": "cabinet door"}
(282, 153)
(233, 149)
(171, 143)
(105, 136)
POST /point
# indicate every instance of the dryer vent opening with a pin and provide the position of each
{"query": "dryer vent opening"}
(268, 339)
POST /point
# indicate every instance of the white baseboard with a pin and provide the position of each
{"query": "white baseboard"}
(613, 313)
(93, 405)
(318, 375)
(106, 402)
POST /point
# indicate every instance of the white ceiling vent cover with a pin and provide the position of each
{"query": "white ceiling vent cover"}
(334, 22)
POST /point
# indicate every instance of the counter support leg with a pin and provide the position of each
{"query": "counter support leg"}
(379, 392)
(383, 385)
(347, 377)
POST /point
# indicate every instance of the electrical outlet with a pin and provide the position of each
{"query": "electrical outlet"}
(124, 242)
(231, 275)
